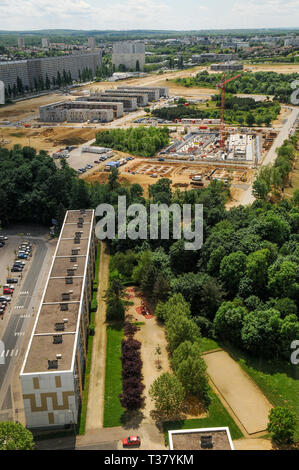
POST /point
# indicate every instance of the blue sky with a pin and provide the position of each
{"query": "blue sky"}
(148, 14)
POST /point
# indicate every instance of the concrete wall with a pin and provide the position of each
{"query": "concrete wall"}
(127, 54)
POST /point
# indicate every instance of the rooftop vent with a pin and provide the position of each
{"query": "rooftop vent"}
(53, 364)
(58, 356)
(82, 211)
(66, 296)
(59, 326)
(57, 339)
(206, 442)
(79, 224)
(65, 320)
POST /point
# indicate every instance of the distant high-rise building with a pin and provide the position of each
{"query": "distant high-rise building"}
(45, 42)
(129, 55)
(91, 43)
(21, 43)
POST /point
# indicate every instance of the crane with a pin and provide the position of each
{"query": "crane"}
(221, 86)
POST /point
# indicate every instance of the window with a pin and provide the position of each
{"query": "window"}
(69, 280)
(64, 307)
(66, 296)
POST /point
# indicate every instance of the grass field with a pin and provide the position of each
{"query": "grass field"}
(207, 344)
(113, 411)
(218, 417)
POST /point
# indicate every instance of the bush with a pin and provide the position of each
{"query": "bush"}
(282, 423)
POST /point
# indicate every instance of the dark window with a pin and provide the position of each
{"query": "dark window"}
(64, 307)
(59, 326)
(69, 280)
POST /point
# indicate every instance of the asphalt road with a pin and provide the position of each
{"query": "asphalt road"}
(20, 311)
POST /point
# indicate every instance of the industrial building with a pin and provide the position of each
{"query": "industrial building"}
(80, 111)
(227, 67)
(31, 70)
(52, 373)
(129, 55)
(130, 104)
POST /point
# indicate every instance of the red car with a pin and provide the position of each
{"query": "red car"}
(132, 441)
(7, 291)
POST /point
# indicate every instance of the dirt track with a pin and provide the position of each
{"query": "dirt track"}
(240, 393)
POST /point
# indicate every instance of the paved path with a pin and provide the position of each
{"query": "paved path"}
(241, 394)
(95, 406)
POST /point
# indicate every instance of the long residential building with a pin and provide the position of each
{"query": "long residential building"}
(142, 96)
(154, 93)
(130, 104)
(81, 111)
(52, 373)
(31, 70)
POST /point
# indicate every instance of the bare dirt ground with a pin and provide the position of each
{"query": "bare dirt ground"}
(279, 68)
(25, 108)
(49, 139)
(240, 393)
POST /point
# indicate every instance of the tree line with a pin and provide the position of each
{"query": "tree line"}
(266, 83)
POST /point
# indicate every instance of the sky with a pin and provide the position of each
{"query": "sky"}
(147, 14)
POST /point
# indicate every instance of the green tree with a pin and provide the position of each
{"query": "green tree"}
(180, 329)
(168, 394)
(13, 436)
(229, 320)
(232, 268)
(282, 424)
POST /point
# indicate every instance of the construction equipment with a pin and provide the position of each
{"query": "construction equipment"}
(221, 86)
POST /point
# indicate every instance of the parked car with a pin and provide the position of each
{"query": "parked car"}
(16, 269)
(132, 441)
(22, 255)
(2, 237)
(6, 298)
(7, 291)
(12, 280)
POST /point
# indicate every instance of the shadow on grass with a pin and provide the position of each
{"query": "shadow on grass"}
(267, 366)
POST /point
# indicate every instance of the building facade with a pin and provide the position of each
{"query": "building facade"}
(128, 55)
(32, 70)
(52, 373)
(80, 111)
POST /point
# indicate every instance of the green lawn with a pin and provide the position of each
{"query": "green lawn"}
(113, 411)
(278, 381)
(218, 417)
(207, 344)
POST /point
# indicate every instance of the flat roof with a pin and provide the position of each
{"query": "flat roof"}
(55, 330)
(192, 439)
